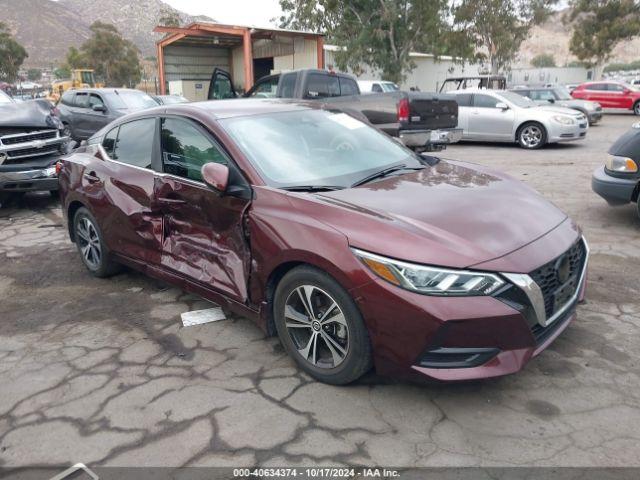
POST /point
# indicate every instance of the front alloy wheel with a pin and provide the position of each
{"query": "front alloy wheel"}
(321, 327)
(532, 136)
(317, 327)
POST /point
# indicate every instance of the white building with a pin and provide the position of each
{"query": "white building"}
(428, 75)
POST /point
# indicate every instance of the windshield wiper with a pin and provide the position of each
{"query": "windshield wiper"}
(312, 188)
(384, 173)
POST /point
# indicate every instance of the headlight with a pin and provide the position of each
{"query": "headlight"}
(621, 164)
(590, 105)
(430, 280)
(563, 120)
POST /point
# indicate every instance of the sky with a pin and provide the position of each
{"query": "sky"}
(240, 12)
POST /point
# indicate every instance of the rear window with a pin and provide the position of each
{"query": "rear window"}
(135, 142)
(130, 99)
(464, 100)
(320, 85)
(81, 100)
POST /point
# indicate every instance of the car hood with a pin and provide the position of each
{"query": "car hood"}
(559, 110)
(30, 114)
(452, 214)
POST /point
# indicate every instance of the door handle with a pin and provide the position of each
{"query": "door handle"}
(91, 177)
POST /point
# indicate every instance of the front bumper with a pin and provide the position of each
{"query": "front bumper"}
(594, 116)
(616, 191)
(459, 338)
(567, 133)
(41, 179)
(430, 139)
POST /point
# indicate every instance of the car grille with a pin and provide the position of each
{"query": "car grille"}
(26, 154)
(542, 334)
(28, 137)
(598, 109)
(583, 125)
(555, 293)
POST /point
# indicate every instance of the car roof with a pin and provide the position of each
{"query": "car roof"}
(237, 107)
(104, 90)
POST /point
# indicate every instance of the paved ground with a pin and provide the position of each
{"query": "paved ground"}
(101, 371)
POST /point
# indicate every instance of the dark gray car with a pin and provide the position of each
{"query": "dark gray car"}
(561, 97)
(85, 111)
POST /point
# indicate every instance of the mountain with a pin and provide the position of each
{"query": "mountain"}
(553, 37)
(47, 28)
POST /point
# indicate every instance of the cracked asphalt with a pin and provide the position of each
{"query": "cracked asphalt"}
(102, 372)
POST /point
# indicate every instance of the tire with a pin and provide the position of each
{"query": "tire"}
(334, 347)
(638, 205)
(636, 108)
(54, 193)
(91, 246)
(531, 136)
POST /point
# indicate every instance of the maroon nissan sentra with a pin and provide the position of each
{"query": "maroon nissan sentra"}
(355, 251)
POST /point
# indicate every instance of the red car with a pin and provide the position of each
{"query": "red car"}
(610, 95)
(354, 250)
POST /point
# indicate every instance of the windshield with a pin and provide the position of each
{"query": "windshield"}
(315, 148)
(389, 87)
(562, 93)
(517, 99)
(128, 99)
(4, 98)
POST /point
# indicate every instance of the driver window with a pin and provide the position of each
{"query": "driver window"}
(484, 101)
(185, 149)
(376, 88)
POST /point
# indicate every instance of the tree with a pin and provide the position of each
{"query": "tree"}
(62, 72)
(599, 25)
(112, 57)
(12, 55)
(498, 27)
(377, 33)
(75, 59)
(34, 74)
(169, 17)
(543, 60)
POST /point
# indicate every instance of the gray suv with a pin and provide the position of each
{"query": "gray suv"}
(561, 97)
(85, 111)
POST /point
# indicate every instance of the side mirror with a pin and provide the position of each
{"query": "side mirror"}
(99, 108)
(216, 176)
(502, 106)
(551, 100)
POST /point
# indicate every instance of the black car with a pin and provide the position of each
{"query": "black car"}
(618, 181)
(85, 111)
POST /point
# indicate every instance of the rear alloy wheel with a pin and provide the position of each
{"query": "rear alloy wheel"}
(636, 108)
(91, 246)
(321, 327)
(532, 136)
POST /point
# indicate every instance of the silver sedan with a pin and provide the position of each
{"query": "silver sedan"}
(502, 116)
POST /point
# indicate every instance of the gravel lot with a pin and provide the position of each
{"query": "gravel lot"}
(102, 372)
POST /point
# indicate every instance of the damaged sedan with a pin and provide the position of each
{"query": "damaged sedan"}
(354, 250)
(31, 142)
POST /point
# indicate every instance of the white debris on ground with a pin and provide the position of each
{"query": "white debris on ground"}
(198, 317)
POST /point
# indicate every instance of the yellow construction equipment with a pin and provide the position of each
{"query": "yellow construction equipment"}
(80, 78)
